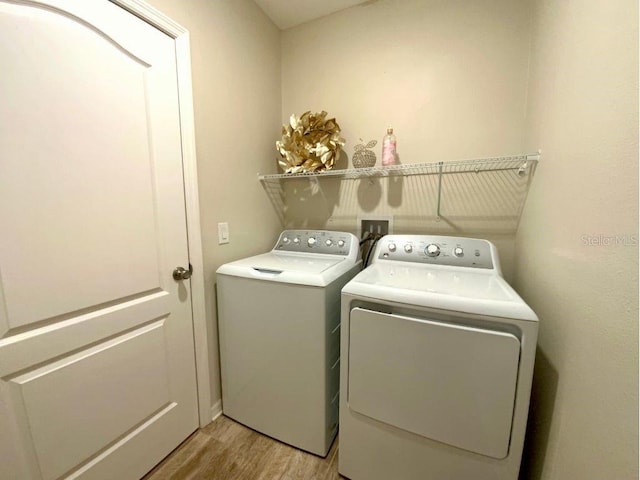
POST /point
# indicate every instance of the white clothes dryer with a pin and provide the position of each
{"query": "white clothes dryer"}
(437, 362)
(279, 330)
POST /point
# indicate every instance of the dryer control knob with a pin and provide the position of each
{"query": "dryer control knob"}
(311, 242)
(392, 247)
(408, 248)
(328, 243)
(432, 250)
(296, 240)
(341, 243)
(458, 252)
(285, 240)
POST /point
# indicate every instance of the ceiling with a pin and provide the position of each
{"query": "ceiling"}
(288, 13)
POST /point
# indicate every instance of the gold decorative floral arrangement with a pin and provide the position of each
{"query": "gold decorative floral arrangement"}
(310, 143)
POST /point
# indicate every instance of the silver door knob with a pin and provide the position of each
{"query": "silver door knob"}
(182, 274)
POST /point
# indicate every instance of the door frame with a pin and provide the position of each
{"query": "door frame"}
(180, 35)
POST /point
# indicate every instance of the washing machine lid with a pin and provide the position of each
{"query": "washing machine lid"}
(290, 267)
(457, 289)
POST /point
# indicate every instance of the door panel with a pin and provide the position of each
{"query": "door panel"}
(97, 210)
(21, 351)
(450, 383)
(56, 403)
(96, 338)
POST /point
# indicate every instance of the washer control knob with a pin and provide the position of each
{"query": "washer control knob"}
(341, 243)
(408, 248)
(328, 242)
(432, 250)
(311, 242)
(285, 240)
(458, 252)
(296, 240)
(392, 247)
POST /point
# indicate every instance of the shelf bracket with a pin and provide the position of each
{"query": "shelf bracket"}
(524, 168)
(440, 166)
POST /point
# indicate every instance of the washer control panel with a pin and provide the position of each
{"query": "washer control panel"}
(316, 241)
(437, 250)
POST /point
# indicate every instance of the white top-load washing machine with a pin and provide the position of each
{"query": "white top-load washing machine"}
(437, 361)
(279, 330)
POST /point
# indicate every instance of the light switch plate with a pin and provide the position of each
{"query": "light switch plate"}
(223, 233)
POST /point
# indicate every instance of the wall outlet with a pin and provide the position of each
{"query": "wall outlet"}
(374, 227)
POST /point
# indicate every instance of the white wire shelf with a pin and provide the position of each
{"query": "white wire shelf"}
(503, 180)
(520, 163)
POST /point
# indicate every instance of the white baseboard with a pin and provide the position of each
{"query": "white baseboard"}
(216, 410)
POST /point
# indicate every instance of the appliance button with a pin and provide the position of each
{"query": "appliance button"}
(341, 243)
(408, 248)
(458, 252)
(432, 250)
(328, 243)
(311, 242)
(285, 240)
(296, 240)
(392, 247)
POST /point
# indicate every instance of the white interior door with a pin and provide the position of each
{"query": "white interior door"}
(97, 372)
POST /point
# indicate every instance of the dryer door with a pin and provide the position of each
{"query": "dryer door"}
(446, 382)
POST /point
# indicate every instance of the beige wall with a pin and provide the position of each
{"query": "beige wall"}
(235, 54)
(450, 77)
(583, 114)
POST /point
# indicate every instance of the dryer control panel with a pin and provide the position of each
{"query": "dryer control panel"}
(438, 250)
(317, 241)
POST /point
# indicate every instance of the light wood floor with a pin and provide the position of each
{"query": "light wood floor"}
(226, 450)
